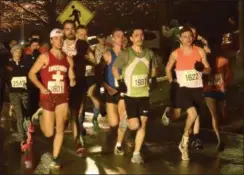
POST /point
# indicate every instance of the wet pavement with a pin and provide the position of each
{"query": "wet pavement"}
(160, 151)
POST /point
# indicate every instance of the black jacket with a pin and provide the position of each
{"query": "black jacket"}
(16, 76)
(29, 60)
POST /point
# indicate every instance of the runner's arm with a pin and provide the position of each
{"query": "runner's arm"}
(106, 60)
(205, 63)
(71, 72)
(38, 65)
(91, 57)
(169, 66)
(154, 65)
(120, 63)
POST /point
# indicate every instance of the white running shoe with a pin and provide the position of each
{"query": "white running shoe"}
(35, 117)
(184, 149)
(137, 158)
(165, 119)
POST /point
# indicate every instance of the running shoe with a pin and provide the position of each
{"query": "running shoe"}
(118, 151)
(183, 147)
(165, 118)
(137, 158)
(55, 164)
(80, 150)
(28, 162)
(44, 166)
(221, 147)
(197, 144)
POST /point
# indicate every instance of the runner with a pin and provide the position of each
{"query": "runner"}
(85, 52)
(215, 88)
(114, 102)
(190, 63)
(77, 93)
(137, 64)
(174, 112)
(17, 82)
(101, 47)
(55, 70)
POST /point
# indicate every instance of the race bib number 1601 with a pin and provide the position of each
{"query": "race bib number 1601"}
(56, 87)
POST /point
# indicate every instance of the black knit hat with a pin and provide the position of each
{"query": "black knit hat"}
(34, 40)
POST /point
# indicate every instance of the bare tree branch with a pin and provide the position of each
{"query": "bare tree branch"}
(32, 13)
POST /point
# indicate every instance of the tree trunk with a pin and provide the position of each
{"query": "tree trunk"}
(52, 16)
(163, 20)
(241, 28)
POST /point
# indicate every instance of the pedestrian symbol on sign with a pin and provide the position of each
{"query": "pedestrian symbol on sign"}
(77, 14)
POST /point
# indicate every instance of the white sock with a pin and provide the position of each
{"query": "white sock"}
(136, 153)
(185, 140)
(118, 144)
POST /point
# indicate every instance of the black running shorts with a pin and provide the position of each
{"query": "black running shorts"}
(136, 107)
(191, 97)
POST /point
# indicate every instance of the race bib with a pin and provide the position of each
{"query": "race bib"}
(19, 82)
(189, 78)
(56, 87)
(139, 81)
(90, 71)
(217, 79)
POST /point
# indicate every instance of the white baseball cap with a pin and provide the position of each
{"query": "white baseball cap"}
(56, 32)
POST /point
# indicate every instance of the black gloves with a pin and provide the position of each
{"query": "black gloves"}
(35, 53)
(122, 86)
(199, 66)
(153, 84)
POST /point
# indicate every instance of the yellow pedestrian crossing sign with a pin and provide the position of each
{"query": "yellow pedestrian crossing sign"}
(77, 12)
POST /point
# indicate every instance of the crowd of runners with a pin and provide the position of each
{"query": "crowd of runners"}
(51, 85)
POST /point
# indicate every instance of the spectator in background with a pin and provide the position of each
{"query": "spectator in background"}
(33, 92)
(44, 48)
(172, 33)
(16, 76)
(101, 48)
(198, 39)
(126, 42)
(12, 43)
(35, 36)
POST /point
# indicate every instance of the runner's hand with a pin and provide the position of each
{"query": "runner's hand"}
(72, 83)
(45, 91)
(122, 86)
(199, 66)
(111, 91)
(153, 84)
